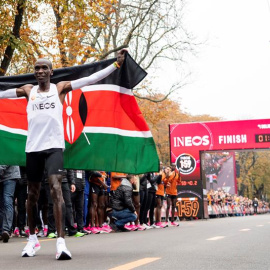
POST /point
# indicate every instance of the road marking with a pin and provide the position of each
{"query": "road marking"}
(215, 238)
(259, 225)
(135, 264)
(244, 230)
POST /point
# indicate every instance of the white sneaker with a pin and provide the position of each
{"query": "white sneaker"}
(155, 226)
(31, 248)
(146, 226)
(62, 253)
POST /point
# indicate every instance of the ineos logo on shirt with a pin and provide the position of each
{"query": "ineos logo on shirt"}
(43, 106)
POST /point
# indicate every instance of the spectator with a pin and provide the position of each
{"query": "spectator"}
(171, 194)
(77, 198)
(161, 180)
(122, 204)
(20, 197)
(144, 185)
(8, 178)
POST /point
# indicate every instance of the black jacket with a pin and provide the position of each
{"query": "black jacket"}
(79, 178)
(122, 197)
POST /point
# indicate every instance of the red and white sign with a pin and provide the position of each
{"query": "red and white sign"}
(187, 140)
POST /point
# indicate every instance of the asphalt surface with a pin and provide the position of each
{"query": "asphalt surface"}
(223, 243)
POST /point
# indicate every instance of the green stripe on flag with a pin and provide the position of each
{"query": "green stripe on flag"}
(11, 143)
(111, 152)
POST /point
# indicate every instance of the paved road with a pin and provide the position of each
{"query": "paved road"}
(224, 243)
(226, 176)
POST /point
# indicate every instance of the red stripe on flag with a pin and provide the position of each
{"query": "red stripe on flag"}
(112, 109)
(13, 113)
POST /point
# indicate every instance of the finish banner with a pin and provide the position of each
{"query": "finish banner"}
(189, 139)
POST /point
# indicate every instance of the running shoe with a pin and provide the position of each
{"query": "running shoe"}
(87, 230)
(31, 248)
(52, 235)
(160, 225)
(45, 232)
(78, 234)
(140, 228)
(27, 231)
(94, 230)
(5, 237)
(174, 224)
(23, 233)
(131, 227)
(62, 253)
(155, 226)
(146, 226)
(104, 229)
(40, 233)
(166, 224)
(16, 232)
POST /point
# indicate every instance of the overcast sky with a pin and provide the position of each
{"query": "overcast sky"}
(231, 73)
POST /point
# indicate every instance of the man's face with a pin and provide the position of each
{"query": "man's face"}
(167, 170)
(43, 70)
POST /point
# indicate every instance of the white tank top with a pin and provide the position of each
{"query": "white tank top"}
(45, 120)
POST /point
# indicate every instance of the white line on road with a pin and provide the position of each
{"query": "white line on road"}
(215, 238)
(135, 264)
(259, 225)
(244, 230)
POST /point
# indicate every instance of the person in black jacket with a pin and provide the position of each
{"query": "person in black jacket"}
(77, 198)
(122, 205)
(20, 197)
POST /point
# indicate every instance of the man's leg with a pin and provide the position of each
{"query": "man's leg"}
(123, 217)
(101, 206)
(55, 182)
(32, 199)
(169, 202)
(69, 219)
(173, 209)
(8, 195)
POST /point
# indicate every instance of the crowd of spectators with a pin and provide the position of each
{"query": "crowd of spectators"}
(222, 204)
(95, 202)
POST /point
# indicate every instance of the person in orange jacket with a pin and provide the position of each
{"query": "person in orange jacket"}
(171, 193)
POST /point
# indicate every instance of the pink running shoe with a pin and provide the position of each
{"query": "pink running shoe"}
(166, 224)
(45, 232)
(94, 230)
(27, 231)
(104, 230)
(174, 224)
(131, 227)
(159, 224)
(16, 232)
(37, 246)
(87, 229)
(140, 228)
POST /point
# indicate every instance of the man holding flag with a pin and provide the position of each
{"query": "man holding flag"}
(45, 142)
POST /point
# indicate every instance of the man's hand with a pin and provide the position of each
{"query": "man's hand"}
(73, 188)
(121, 56)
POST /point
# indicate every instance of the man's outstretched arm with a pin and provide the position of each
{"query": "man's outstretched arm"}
(15, 92)
(65, 87)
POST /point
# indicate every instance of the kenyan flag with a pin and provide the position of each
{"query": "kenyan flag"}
(104, 128)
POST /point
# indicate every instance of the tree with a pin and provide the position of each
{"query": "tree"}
(77, 31)
(160, 115)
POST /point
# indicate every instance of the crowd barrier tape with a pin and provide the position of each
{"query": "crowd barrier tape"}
(234, 210)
